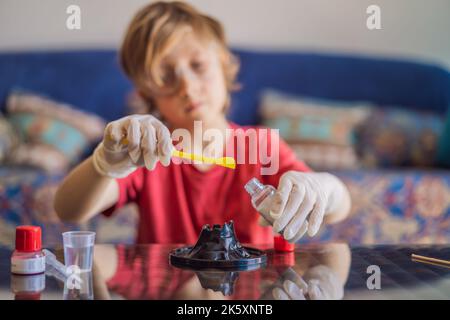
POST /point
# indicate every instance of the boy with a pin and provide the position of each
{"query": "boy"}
(179, 62)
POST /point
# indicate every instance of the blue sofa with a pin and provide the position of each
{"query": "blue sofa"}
(389, 206)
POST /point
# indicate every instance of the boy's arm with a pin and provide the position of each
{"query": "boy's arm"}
(84, 193)
(91, 187)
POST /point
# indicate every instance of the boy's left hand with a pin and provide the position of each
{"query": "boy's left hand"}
(301, 202)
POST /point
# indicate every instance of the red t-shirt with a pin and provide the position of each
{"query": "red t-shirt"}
(176, 201)
(143, 272)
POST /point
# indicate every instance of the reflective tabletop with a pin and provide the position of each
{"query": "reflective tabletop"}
(321, 271)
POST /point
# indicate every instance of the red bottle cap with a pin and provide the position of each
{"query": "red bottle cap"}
(28, 238)
(281, 244)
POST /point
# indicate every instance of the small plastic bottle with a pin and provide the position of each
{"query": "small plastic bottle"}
(27, 287)
(262, 196)
(28, 257)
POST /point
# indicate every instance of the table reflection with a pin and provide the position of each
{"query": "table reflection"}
(144, 272)
(27, 287)
(312, 272)
(79, 287)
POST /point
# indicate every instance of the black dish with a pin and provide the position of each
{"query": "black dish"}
(218, 247)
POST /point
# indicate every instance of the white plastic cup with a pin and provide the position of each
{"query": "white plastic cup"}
(79, 249)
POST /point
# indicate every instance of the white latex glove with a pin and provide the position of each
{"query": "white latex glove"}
(301, 202)
(147, 141)
(290, 286)
(318, 283)
(323, 284)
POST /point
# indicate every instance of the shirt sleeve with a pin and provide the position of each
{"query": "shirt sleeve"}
(287, 161)
(129, 190)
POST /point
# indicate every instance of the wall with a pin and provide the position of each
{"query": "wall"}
(414, 28)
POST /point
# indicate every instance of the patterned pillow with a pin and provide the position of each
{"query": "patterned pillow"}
(39, 155)
(312, 120)
(53, 135)
(8, 138)
(326, 156)
(321, 132)
(393, 137)
(443, 153)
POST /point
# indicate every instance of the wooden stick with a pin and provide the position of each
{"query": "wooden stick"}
(438, 262)
(431, 263)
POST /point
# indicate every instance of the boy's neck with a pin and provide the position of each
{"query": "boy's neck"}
(220, 124)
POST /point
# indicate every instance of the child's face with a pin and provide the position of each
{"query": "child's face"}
(194, 83)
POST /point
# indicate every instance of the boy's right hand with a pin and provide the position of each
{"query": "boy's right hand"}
(131, 142)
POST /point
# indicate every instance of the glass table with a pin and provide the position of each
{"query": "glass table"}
(320, 271)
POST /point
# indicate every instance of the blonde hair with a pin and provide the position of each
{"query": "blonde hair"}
(156, 27)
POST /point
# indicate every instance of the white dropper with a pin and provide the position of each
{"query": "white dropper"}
(50, 260)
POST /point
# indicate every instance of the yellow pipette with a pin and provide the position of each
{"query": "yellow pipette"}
(227, 162)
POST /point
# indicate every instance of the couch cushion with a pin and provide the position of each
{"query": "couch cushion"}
(309, 120)
(392, 137)
(394, 207)
(26, 197)
(443, 154)
(53, 135)
(382, 81)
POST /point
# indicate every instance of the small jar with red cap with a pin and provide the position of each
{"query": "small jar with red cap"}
(282, 245)
(28, 257)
